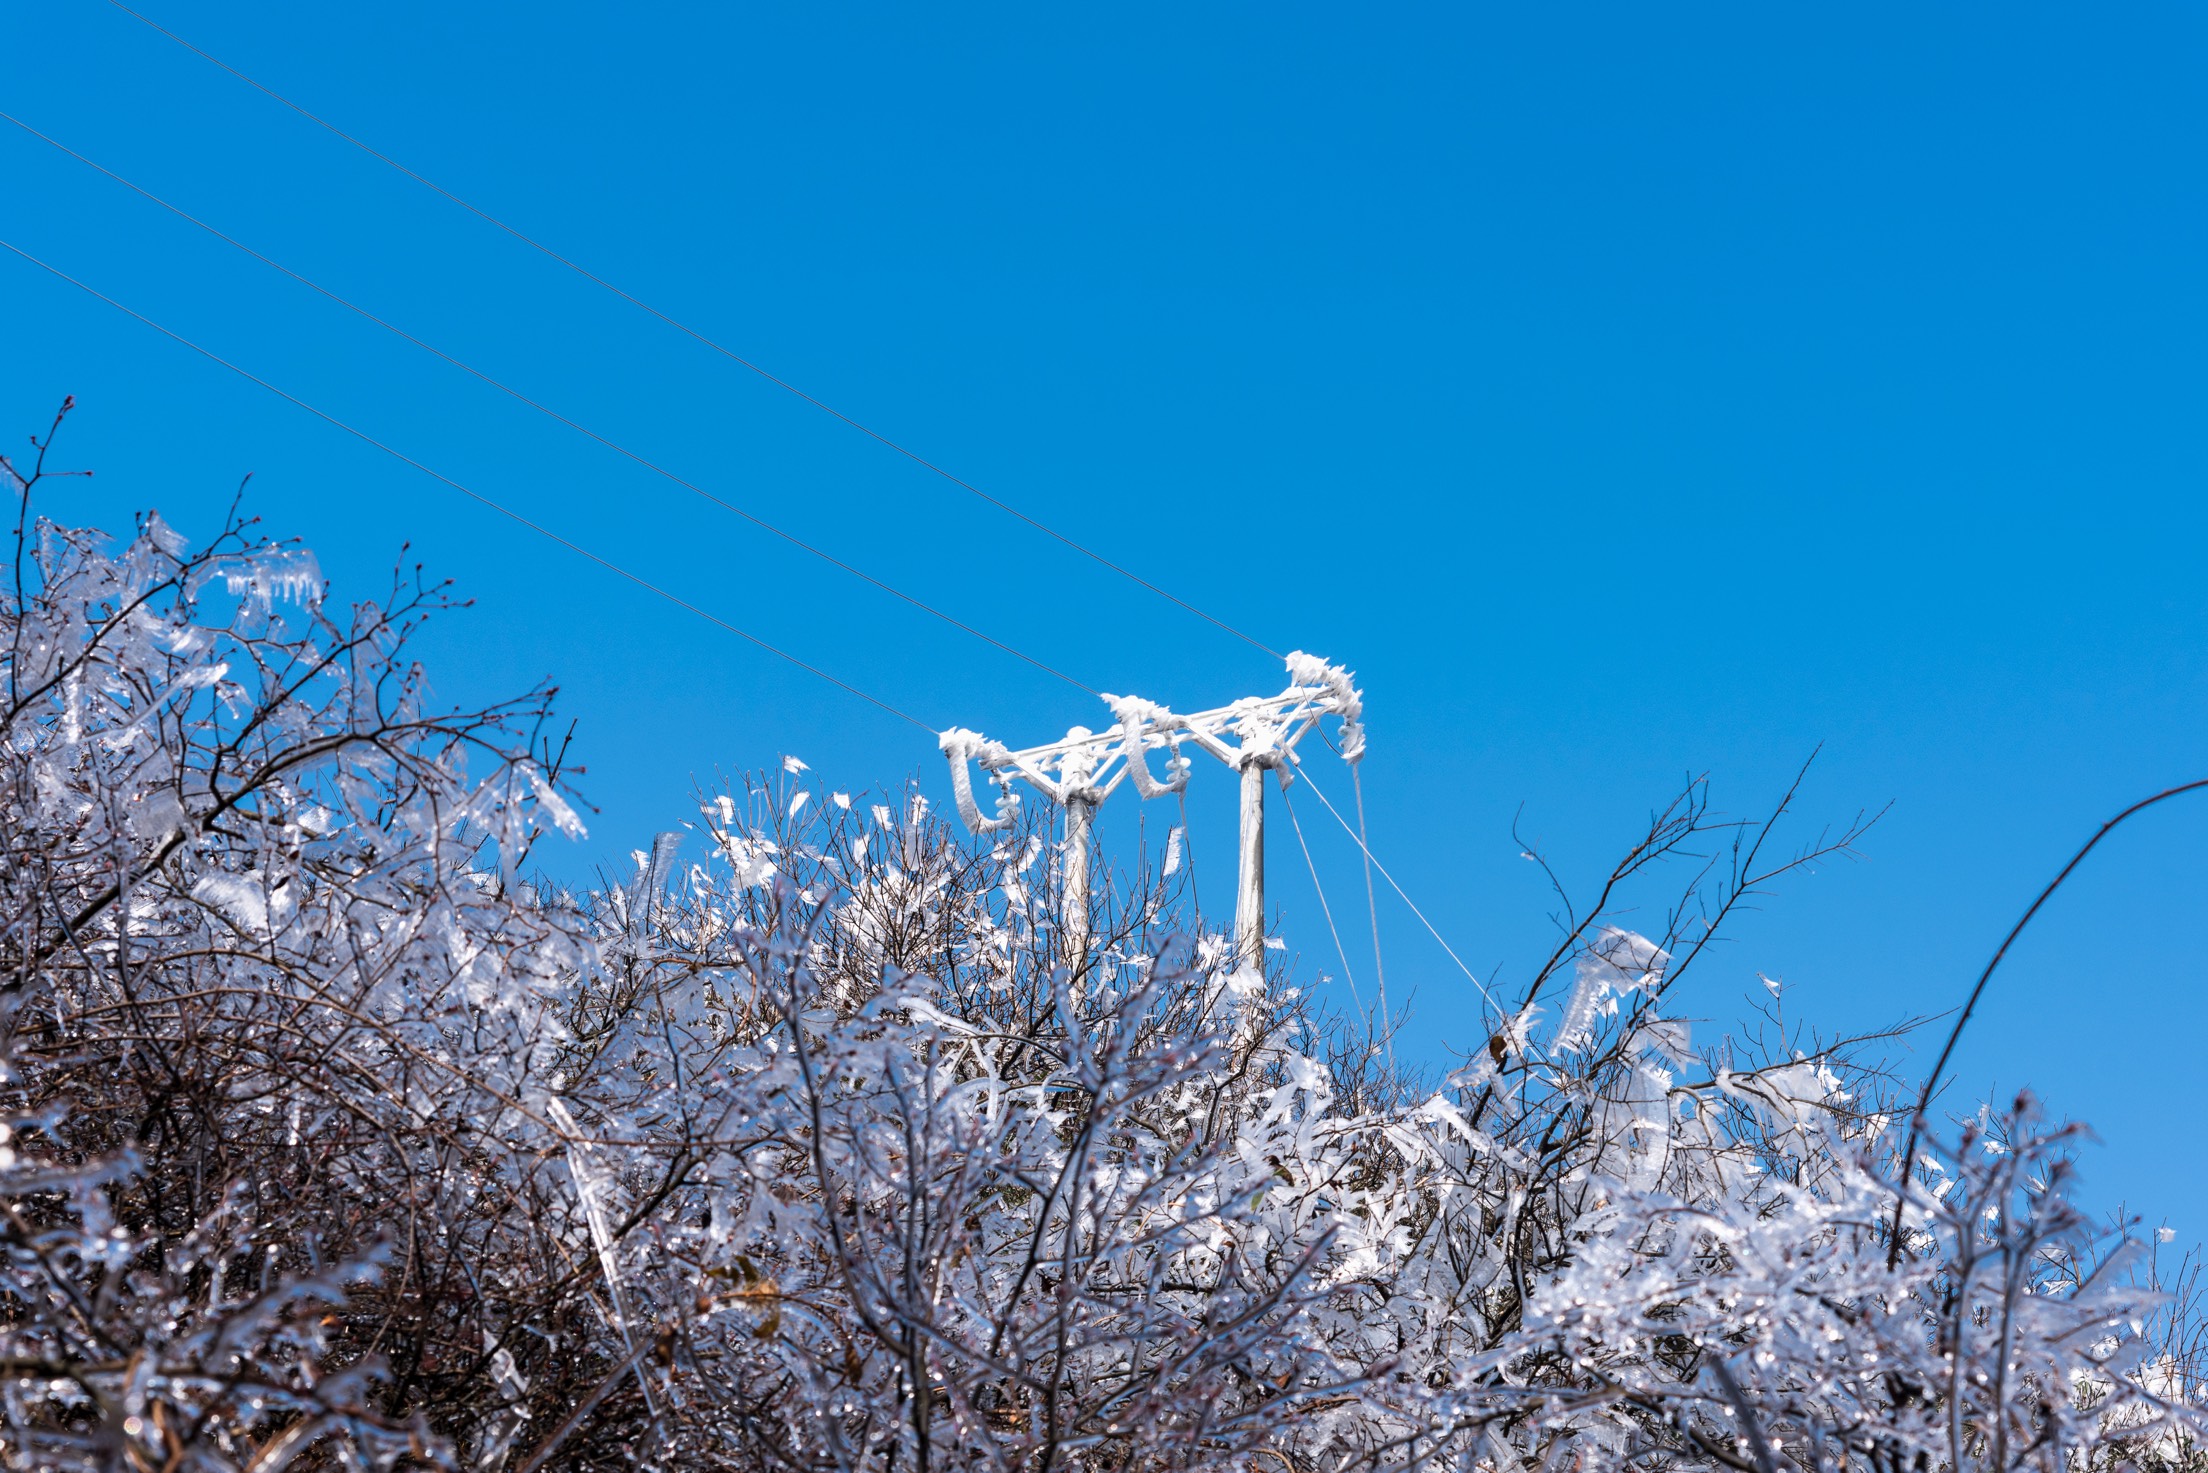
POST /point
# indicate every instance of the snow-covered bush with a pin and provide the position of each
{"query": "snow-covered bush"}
(334, 1139)
(277, 1024)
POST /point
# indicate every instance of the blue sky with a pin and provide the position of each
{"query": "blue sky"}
(1625, 393)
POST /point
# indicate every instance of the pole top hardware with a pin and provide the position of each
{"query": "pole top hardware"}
(1086, 767)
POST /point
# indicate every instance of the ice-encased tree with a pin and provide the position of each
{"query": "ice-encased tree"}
(333, 1139)
(278, 1026)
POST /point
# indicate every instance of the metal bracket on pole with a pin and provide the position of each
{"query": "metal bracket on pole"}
(1253, 736)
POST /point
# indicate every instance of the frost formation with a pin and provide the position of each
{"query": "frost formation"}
(333, 1139)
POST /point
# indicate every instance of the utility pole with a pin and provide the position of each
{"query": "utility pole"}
(1254, 736)
(1080, 804)
(1249, 889)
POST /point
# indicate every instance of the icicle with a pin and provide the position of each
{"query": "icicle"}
(590, 1188)
(290, 574)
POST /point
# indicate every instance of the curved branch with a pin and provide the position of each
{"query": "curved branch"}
(1939, 1067)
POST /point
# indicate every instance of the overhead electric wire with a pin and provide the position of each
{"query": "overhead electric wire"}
(543, 409)
(730, 354)
(1372, 902)
(1318, 888)
(734, 357)
(1354, 838)
(505, 511)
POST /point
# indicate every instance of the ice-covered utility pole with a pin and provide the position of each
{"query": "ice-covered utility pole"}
(1253, 736)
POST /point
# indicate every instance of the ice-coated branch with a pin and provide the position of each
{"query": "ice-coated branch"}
(331, 1138)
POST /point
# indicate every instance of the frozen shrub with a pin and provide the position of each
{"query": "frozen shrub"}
(333, 1139)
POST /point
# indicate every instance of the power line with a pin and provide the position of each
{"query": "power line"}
(1358, 840)
(734, 357)
(1372, 903)
(638, 579)
(725, 352)
(731, 355)
(542, 531)
(1318, 887)
(545, 410)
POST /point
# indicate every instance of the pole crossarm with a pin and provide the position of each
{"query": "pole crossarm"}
(1087, 767)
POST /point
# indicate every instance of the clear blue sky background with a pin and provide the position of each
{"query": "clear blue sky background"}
(1625, 392)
